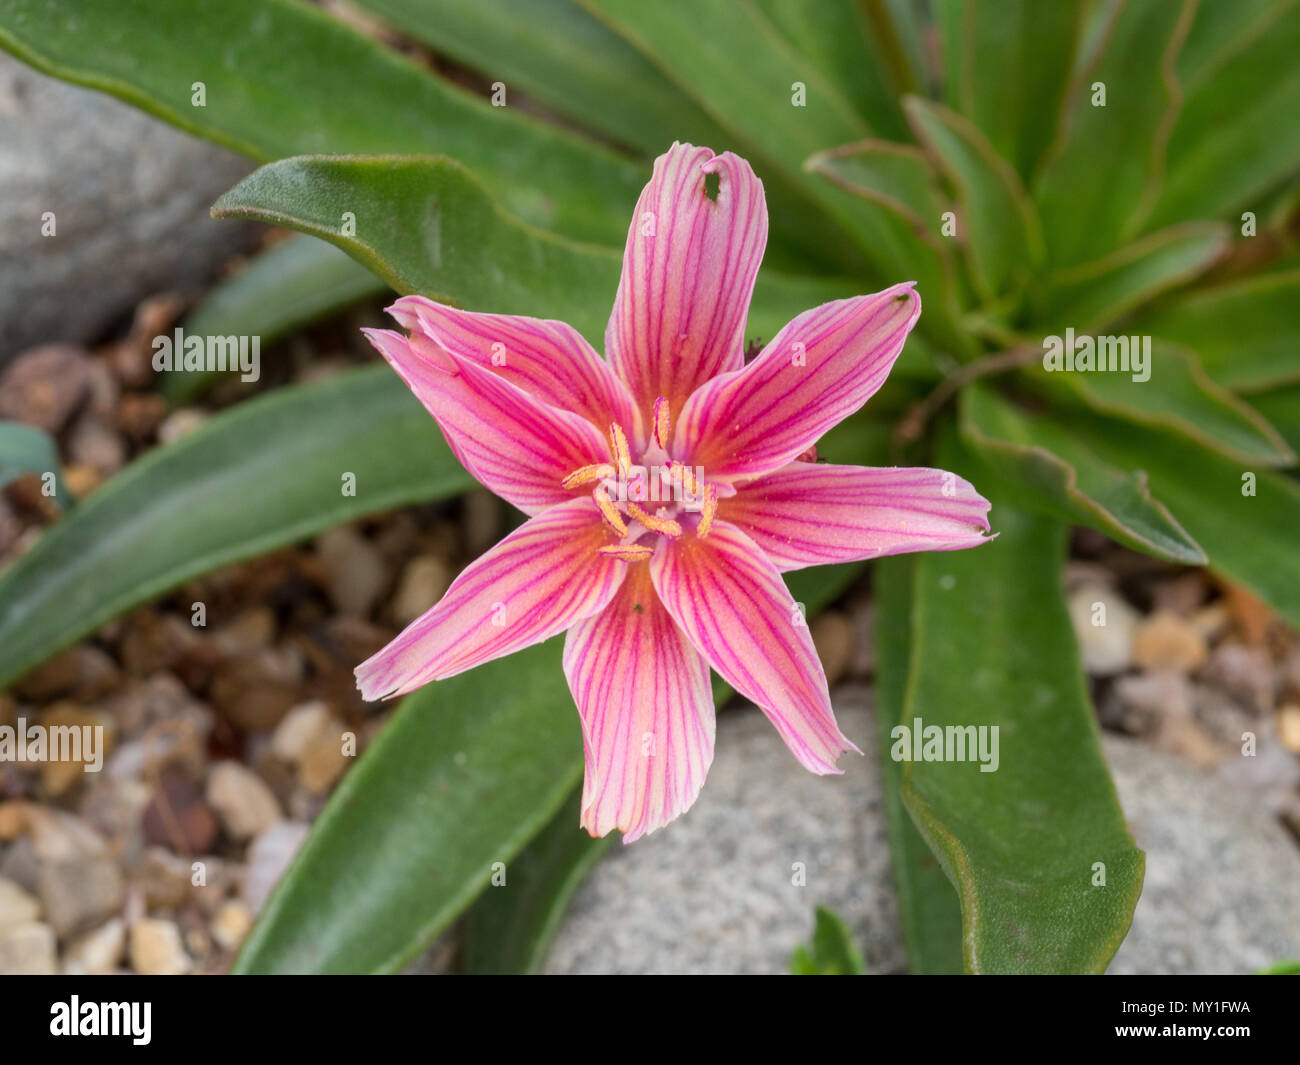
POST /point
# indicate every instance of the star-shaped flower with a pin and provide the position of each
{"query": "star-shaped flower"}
(668, 486)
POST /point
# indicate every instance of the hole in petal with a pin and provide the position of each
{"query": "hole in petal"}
(712, 182)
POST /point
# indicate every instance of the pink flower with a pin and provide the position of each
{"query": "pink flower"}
(668, 486)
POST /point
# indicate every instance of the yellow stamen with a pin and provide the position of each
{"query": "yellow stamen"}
(662, 423)
(663, 526)
(622, 453)
(612, 517)
(707, 511)
(587, 474)
(627, 552)
(685, 477)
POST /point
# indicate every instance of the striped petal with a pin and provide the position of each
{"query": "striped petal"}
(518, 446)
(539, 580)
(688, 275)
(730, 601)
(647, 712)
(816, 371)
(814, 514)
(547, 359)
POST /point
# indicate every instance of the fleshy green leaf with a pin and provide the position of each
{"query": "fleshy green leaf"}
(1178, 397)
(1235, 137)
(1282, 409)
(280, 77)
(26, 449)
(1244, 517)
(927, 904)
(266, 473)
(1084, 209)
(1243, 331)
(461, 777)
(996, 221)
(1045, 868)
(831, 952)
(1090, 296)
(512, 924)
(1041, 464)
(285, 287)
(1008, 65)
(563, 57)
(426, 225)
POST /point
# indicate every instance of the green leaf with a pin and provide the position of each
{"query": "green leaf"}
(1235, 137)
(837, 38)
(26, 449)
(426, 225)
(1244, 331)
(287, 286)
(282, 78)
(888, 200)
(1101, 179)
(1245, 518)
(1041, 463)
(1090, 296)
(510, 927)
(992, 646)
(1008, 64)
(563, 57)
(1282, 409)
(1178, 397)
(831, 951)
(927, 904)
(996, 220)
(461, 777)
(264, 474)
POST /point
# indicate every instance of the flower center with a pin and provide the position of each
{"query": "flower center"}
(650, 498)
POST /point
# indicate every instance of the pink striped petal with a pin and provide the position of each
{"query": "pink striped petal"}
(814, 514)
(549, 360)
(516, 445)
(816, 371)
(647, 712)
(539, 580)
(688, 275)
(730, 601)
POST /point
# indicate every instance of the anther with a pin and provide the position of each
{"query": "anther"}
(707, 511)
(662, 423)
(618, 444)
(587, 474)
(663, 526)
(612, 517)
(627, 552)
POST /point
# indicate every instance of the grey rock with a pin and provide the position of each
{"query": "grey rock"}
(712, 892)
(130, 198)
(79, 892)
(28, 950)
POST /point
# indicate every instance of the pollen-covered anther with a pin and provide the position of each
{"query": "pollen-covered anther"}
(663, 526)
(618, 444)
(683, 476)
(627, 552)
(610, 512)
(708, 510)
(587, 474)
(662, 423)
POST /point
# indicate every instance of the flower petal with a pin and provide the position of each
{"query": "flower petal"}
(516, 445)
(547, 359)
(647, 712)
(688, 275)
(539, 580)
(730, 600)
(816, 371)
(815, 514)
